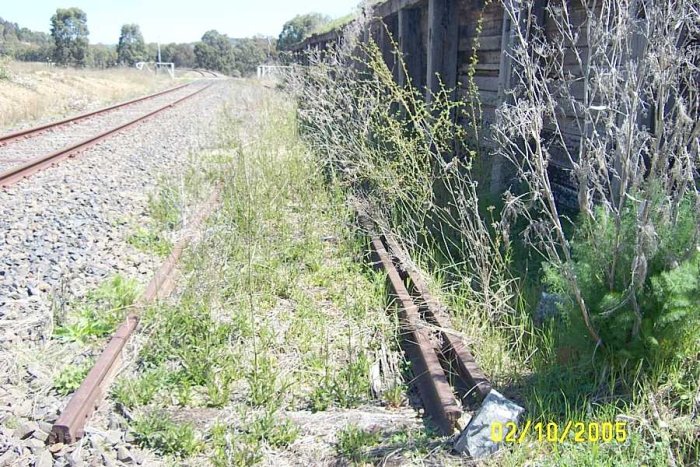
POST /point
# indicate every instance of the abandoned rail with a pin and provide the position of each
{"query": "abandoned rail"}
(26, 169)
(445, 372)
(70, 425)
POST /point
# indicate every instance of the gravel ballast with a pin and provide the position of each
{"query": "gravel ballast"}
(22, 150)
(63, 232)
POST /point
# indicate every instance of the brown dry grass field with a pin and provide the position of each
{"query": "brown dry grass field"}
(32, 91)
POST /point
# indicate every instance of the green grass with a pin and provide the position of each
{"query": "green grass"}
(71, 377)
(276, 311)
(353, 443)
(150, 241)
(100, 312)
(165, 207)
(161, 434)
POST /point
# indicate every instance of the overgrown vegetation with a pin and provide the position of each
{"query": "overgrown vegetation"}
(100, 312)
(353, 442)
(277, 313)
(161, 434)
(623, 344)
(71, 377)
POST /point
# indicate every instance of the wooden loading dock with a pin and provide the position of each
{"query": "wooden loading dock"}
(436, 40)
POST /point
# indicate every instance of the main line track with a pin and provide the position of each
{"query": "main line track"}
(26, 169)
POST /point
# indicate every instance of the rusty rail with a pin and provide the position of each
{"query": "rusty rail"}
(15, 174)
(30, 131)
(461, 361)
(438, 355)
(70, 425)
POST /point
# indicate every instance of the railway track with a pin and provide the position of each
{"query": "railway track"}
(445, 372)
(69, 426)
(25, 152)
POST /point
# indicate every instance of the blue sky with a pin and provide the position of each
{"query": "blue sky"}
(174, 20)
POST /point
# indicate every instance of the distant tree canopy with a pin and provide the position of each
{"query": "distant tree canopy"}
(235, 57)
(22, 43)
(131, 47)
(68, 45)
(102, 56)
(70, 35)
(299, 28)
(182, 55)
(215, 52)
(252, 51)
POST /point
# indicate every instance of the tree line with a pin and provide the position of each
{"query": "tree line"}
(68, 45)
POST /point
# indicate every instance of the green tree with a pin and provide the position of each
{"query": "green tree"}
(70, 35)
(131, 47)
(299, 28)
(182, 55)
(252, 51)
(215, 52)
(24, 44)
(102, 56)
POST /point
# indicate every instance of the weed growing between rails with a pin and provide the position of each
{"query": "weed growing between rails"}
(277, 324)
(398, 157)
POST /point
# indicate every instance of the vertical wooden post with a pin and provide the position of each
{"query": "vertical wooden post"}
(504, 77)
(507, 36)
(411, 47)
(386, 38)
(443, 41)
(392, 24)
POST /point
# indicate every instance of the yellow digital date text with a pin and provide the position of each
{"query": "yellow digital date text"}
(553, 432)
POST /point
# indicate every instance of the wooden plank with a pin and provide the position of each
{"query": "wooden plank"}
(411, 46)
(492, 98)
(443, 38)
(577, 17)
(392, 7)
(491, 25)
(486, 43)
(486, 83)
(492, 56)
(487, 66)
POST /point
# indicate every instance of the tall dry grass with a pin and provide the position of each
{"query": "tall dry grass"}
(31, 92)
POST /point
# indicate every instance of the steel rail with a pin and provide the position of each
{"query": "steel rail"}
(461, 361)
(429, 376)
(17, 173)
(440, 359)
(70, 425)
(4, 139)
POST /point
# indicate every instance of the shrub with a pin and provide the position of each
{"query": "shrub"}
(643, 306)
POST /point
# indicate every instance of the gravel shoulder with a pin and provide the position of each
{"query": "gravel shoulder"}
(64, 232)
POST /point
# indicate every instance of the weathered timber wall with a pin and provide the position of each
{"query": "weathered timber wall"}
(436, 40)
